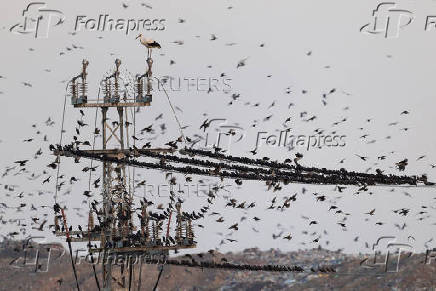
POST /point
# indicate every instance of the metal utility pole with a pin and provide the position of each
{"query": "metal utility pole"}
(116, 231)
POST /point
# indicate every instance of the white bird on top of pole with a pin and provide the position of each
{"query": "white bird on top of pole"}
(148, 43)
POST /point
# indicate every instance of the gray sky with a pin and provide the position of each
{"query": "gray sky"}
(376, 77)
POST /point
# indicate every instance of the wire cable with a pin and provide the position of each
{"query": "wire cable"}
(158, 278)
(174, 112)
(60, 142)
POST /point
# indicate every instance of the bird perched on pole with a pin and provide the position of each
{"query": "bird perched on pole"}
(149, 43)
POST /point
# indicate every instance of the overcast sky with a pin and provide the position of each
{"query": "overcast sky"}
(310, 46)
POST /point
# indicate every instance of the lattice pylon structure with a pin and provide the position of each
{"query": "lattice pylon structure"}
(117, 200)
(116, 192)
(115, 230)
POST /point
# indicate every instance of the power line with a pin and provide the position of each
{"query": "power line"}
(208, 168)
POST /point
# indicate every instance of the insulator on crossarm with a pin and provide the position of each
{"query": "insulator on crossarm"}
(116, 89)
(73, 88)
(159, 228)
(108, 90)
(189, 232)
(83, 91)
(154, 231)
(139, 87)
(147, 230)
(83, 88)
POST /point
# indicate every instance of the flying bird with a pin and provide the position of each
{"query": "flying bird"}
(241, 63)
(402, 164)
